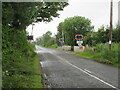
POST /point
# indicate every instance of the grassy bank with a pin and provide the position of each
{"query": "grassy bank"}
(37, 70)
(23, 73)
(20, 64)
(103, 54)
(52, 46)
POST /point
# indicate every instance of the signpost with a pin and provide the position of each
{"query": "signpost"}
(79, 42)
(30, 37)
(61, 40)
(79, 38)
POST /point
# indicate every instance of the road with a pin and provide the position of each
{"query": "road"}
(63, 69)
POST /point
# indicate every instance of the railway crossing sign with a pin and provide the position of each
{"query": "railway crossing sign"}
(79, 37)
(79, 42)
(30, 37)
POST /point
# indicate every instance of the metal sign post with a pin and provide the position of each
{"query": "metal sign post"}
(79, 38)
(61, 40)
(30, 37)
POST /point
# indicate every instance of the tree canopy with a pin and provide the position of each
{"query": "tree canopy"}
(21, 14)
(72, 26)
(18, 55)
(46, 39)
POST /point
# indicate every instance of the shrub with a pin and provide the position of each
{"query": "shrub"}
(109, 54)
(17, 59)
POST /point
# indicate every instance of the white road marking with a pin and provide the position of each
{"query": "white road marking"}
(93, 76)
(86, 71)
(45, 76)
(41, 63)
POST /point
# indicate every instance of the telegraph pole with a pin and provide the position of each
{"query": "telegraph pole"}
(111, 26)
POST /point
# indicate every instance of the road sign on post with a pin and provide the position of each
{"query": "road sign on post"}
(79, 37)
(61, 40)
(30, 37)
(79, 42)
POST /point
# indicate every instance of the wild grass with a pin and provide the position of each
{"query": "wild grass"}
(52, 46)
(23, 73)
(103, 54)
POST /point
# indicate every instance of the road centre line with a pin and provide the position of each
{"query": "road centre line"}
(86, 71)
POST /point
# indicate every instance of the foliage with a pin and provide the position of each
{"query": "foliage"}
(19, 69)
(53, 46)
(46, 40)
(103, 54)
(116, 34)
(102, 36)
(72, 26)
(109, 54)
(21, 14)
(59, 33)
(18, 59)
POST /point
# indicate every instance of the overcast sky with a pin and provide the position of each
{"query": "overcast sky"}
(98, 11)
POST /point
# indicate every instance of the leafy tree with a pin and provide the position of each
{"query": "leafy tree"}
(60, 32)
(102, 36)
(18, 54)
(46, 39)
(74, 25)
(21, 14)
(116, 34)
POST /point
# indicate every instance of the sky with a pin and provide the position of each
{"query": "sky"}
(98, 11)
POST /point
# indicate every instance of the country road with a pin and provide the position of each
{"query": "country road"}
(62, 69)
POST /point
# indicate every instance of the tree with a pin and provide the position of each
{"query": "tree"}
(16, 51)
(101, 36)
(74, 25)
(116, 34)
(46, 39)
(59, 33)
(21, 14)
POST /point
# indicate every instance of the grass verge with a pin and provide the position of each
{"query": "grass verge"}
(52, 46)
(96, 57)
(37, 77)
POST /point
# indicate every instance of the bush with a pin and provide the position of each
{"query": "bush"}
(54, 46)
(17, 60)
(109, 54)
(103, 54)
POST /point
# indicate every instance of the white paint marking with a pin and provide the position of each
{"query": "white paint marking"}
(45, 76)
(93, 76)
(86, 71)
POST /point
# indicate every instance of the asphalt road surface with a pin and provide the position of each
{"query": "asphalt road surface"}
(63, 69)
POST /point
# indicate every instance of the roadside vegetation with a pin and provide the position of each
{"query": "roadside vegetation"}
(95, 42)
(19, 67)
(103, 54)
(47, 41)
(99, 47)
(20, 64)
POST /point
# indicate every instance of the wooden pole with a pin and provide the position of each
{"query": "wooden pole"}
(111, 26)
